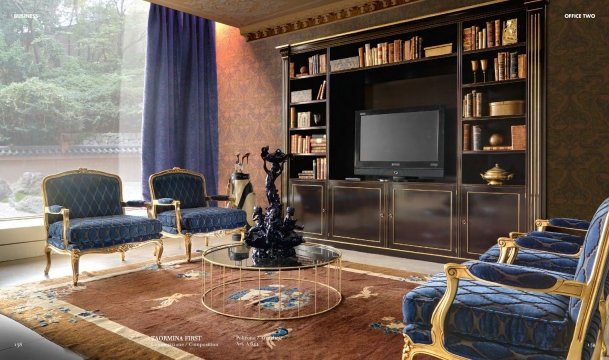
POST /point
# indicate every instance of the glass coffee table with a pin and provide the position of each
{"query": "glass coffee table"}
(305, 285)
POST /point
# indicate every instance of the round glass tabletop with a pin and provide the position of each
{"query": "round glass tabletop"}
(239, 256)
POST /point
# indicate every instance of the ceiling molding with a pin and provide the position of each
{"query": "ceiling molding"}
(261, 19)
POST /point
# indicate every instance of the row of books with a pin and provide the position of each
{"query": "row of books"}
(494, 33)
(308, 144)
(472, 104)
(390, 52)
(510, 65)
(318, 172)
(472, 139)
(317, 64)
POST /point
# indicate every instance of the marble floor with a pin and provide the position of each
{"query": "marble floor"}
(18, 342)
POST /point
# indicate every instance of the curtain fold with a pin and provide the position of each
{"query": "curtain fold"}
(180, 117)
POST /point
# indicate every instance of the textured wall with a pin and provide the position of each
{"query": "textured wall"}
(578, 108)
(249, 80)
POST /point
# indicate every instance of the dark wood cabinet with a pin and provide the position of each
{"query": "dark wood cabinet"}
(309, 202)
(487, 213)
(422, 218)
(458, 215)
(357, 212)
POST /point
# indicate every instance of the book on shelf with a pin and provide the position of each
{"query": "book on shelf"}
(360, 54)
(467, 137)
(490, 33)
(292, 70)
(321, 91)
(522, 66)
(390, 51)
(519, 140)
(476, 138)
(304, 119)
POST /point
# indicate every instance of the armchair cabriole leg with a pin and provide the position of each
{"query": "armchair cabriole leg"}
(75, 258)
(47, 252)
(242, 235)
(158, 251)
(206, 241)
(122, 256)
(188, 245)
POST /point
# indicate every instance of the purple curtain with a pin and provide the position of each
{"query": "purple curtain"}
(180, 121)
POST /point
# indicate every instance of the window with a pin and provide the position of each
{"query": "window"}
(71, 94)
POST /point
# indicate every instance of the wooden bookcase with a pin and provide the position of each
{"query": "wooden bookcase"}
(455, 217)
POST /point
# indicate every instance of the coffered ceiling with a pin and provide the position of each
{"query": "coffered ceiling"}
(258, 19)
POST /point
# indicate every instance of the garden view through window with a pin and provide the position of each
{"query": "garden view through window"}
(71, 94)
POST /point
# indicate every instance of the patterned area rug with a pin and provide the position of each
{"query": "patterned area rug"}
(144, 312)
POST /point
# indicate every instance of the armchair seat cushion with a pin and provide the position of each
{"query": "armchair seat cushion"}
(104, 231)
(489, 313)
(536, 259)
(203, 220)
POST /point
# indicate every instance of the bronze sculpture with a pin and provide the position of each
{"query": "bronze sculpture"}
(272, 237)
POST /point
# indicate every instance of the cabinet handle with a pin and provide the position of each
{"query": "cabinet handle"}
(382, 215)
(323, 211)
(390, 215)
(464, 222)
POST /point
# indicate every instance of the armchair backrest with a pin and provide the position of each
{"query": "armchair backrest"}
(86, 193)
(186, 186)
(592, 266)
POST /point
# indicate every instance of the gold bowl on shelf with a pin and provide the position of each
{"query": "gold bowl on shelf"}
(496, 175)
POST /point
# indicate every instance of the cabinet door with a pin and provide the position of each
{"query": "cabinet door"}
(307, 199)
(356, 213)
(488, 213)
(422, 218)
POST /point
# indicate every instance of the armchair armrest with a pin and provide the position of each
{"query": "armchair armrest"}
(557, 246)
(168, 202)
(136, 204)
(563, 225)
(570, 223)
(513, 275)
(220, 198)
(65, 213)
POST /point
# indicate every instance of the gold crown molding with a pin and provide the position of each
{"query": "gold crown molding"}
(326, 15)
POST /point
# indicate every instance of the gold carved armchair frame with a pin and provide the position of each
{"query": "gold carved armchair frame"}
(587, 292)
(75, 254)
(152, 212)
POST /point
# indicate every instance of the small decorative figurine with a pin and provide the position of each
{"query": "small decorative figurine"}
(272, 237)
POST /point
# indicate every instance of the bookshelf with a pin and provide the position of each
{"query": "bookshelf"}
(353, 74)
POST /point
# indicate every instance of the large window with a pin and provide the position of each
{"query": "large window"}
(71, 94)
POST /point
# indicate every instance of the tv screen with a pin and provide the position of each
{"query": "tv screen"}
(400, 142)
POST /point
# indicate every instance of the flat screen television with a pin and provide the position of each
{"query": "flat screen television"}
(400, 143)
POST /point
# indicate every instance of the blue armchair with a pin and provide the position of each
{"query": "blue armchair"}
(181, 204)
(481, 310)
(84, 213)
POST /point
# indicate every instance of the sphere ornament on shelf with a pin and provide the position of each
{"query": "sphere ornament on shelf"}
(272, 237)
(495, 139)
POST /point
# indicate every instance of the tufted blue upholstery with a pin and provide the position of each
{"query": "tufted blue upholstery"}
(569, 222)
(85, 195)
(548, 244)
(558, 236)
(104, 231)
(203, 220)
(588, 257)
(533, 258)
(489, 321)
(189, 189)
(492, 314)
(512, 275)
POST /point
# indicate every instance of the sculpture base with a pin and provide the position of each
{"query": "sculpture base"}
(274, 257)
